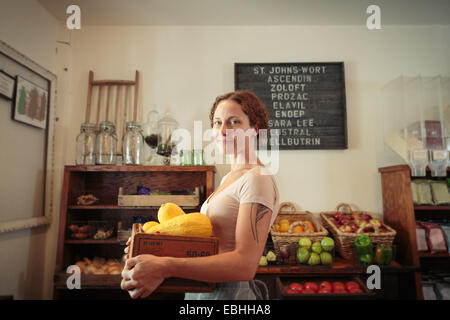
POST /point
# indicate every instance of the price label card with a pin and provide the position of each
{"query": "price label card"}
(439, 155)
(420, 155)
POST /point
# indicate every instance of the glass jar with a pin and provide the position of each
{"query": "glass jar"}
(150, 130)
(106, 144)
(133, 144)
(85, 152)
(198, 157)
(165, 127)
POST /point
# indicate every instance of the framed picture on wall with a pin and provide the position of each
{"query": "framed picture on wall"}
(6, 85)
(31, 103)
(28, 152)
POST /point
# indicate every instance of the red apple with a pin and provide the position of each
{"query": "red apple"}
(337, 215)
(355, 290)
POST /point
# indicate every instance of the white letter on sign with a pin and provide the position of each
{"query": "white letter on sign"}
(374, 21)
(374, 281)
(74, 20)
(74, 281)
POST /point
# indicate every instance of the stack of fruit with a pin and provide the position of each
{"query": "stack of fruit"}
(357, 223)
(270, 257)
(311, 287)
(317, 253)
(304, 226)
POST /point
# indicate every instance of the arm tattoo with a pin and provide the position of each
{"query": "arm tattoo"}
(257, 212)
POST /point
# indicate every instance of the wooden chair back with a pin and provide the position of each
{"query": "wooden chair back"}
(117, 109)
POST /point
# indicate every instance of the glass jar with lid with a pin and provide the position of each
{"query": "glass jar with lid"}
(166, 126)
(150, 131)
(133, 144)
(85, 151)
(106, 144)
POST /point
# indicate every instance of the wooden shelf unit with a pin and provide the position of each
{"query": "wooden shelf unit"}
(104, 183)
(401, 214)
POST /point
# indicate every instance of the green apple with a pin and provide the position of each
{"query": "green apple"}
(314, 259)
(271, 256)
(302, 255)
(304, 243)
(316, 247)
(326, 258)
(263, 261)
(327, 244)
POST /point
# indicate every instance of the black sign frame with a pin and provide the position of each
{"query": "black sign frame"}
(332, 91)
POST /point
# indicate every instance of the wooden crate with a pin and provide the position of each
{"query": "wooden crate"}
(158, 200)
(175, 246)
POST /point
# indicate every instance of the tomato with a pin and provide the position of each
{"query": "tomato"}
(290, 291)
(352, 284)
(308, 291)
(296, 286)
(355, 290)
(338, 284)
(339, 290)
(323, 290)
(325, 285)
(311, 286)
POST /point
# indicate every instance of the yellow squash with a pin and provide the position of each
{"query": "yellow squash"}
(169, 211)
(192, 224)
(148, 225)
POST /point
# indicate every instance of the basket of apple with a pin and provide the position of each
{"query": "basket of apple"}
(346, 225)
(315, 253)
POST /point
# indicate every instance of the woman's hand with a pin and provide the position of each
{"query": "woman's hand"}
(142, 275)
(127, 248)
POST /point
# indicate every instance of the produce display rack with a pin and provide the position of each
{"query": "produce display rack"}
(401, 213)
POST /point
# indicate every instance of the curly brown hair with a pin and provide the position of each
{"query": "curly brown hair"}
(250, 104)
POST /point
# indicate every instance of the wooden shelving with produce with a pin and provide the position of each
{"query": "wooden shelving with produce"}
(104, 182)
(401, 213)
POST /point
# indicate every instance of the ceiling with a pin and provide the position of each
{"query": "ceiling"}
(250, 12)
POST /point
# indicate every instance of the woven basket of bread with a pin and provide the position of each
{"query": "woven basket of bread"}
(345, 240)
(296, 219)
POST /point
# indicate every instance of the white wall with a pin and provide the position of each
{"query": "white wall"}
(30, 29)
(187, 67)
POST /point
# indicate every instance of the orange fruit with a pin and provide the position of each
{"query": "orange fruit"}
(310, 225)
(299, 229)
(284, 227)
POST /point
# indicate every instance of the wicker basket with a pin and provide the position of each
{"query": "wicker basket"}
(291, 238)
(345, 241)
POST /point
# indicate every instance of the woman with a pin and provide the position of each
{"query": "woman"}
(241, 211)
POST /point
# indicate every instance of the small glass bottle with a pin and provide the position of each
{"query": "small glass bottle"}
(133, 144)
(198, 157)
(106, 144)
(85, 152)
